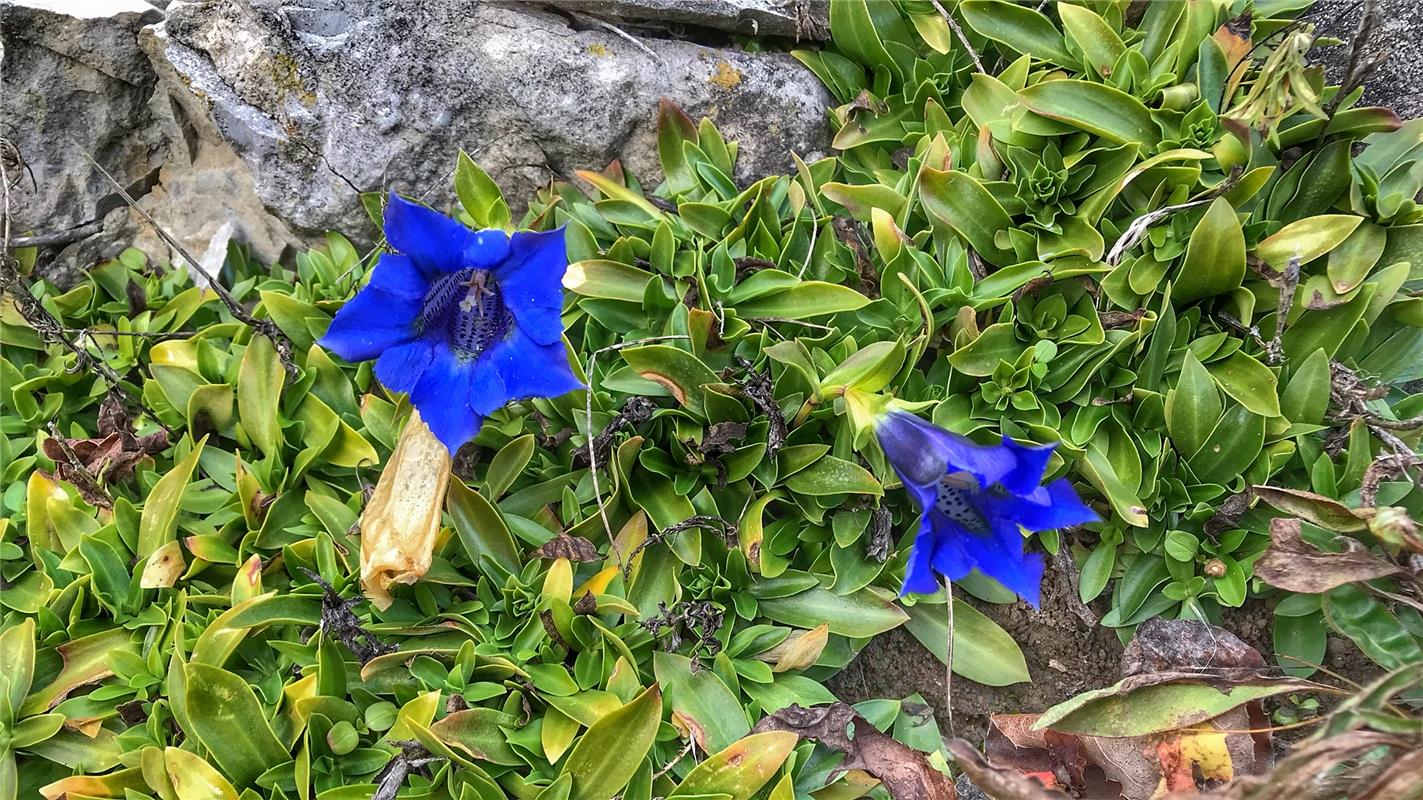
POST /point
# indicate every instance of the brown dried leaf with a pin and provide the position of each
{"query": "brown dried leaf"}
(998, 782)
(904, 771)
(1182, 645)
(573, 548)
(1315, 508)
(1291, 563)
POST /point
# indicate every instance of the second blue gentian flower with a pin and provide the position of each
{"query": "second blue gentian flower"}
(974, 499)
(464, 321)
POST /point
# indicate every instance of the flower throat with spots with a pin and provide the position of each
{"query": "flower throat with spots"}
(468, 308)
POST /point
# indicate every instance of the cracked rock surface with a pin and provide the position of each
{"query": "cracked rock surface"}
(328, 99)
(271, 117)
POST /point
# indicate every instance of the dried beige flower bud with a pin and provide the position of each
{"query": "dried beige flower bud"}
(401, 522)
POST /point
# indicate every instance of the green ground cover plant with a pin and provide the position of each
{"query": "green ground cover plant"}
(1149, 233)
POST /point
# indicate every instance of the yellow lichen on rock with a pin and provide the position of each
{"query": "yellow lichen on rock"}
(726, 76)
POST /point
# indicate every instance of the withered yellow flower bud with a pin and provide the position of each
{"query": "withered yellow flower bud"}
(400, 523)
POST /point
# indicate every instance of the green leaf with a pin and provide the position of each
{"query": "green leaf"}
(480, 195)
(1094, 107)
(1355, 257)
(857, 615)
(481, 528)
(606, 757)
(1019, 27)
(1306, 396)
(804, 300)
(17, 661)
(158, 524)
(676, 370)
(1192, 408)
(983, 652)
(960, 202)
(479, 733)
(700, 701)
(1215, 255)
(830, 476)
(1251, 383)
(609, 280)
(1093, 36)
(1306, 239)
(259, 391)
(742, 768)
(1155, 703)
(1300, 642)
(228, 720)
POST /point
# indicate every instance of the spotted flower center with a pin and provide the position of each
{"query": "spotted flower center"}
(956, 502)
(467, 308)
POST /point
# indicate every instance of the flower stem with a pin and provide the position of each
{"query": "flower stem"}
(949, 657)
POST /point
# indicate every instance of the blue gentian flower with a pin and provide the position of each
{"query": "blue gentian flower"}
(465, 321)
(974, 498)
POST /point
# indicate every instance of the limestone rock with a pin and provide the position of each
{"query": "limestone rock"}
(326, 99)
(795, 19)
(74, 79)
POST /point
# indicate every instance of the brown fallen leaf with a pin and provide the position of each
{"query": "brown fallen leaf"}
(1065, 759)
(573, 548)
(1171, 645)
(997, 782)
(904, 771)
(92, 464)
(1293, 564)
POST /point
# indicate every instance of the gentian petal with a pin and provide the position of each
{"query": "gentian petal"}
(486, 390)
(1031, 462)
(369, 323)
(530, 369)
(1046, 508)
(919, 574)
(1000, 556)
(923, 453)
(398, 276)
(442, 395)
(531, 283)
(399, 368)
(953, 555)
(437, 243)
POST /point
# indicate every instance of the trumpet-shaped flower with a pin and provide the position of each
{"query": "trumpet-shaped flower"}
(465, 321)
(974, 498)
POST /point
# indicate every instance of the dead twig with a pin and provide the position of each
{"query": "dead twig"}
(1137, 229)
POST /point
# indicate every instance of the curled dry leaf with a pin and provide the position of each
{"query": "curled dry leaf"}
(904, 771)
(1293, 564)
(399, 525)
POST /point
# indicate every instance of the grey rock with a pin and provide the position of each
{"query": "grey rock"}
(795, 19)
(329, 98)
(1398, 81)
(74, 79)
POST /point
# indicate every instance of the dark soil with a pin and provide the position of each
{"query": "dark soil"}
(1066, 655)
(1065, 652)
